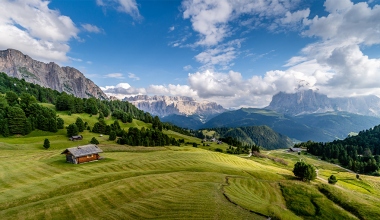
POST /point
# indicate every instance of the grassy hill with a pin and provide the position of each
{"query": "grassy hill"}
(170, 183)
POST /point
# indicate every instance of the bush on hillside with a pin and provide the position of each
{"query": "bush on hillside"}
(304, 171)
(332, 179)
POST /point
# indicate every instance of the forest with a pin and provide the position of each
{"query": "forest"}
(20, 114)
(359, 153)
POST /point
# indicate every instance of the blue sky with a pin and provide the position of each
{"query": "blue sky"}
(234, 52)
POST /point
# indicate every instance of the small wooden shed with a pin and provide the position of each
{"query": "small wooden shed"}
(82, 154)
(75, 138)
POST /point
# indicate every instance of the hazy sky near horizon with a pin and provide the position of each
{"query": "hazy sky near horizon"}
(238, 53)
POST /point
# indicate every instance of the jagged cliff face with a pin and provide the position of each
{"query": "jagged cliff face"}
(50, 75)
(309, 101)
(167, 105)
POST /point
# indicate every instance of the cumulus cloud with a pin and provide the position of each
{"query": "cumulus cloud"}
(122, 90)
(342, 32)
(126, 6)
(233, 90)
(171, 90)
(30, 26)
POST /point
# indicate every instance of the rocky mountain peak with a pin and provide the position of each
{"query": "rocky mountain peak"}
(68, 79)
(180, 105)
(310, 101)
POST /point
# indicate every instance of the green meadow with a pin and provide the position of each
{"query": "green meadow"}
(170, 182)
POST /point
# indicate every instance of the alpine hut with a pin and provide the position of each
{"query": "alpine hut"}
(82, 154)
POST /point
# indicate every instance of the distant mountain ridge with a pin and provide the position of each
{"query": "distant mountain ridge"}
(317, 127)
(164, 106)
(50, 75)
(309, 102)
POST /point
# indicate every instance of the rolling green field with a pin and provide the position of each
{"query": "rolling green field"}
(170, 183)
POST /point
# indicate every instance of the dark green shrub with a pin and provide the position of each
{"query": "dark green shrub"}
(332, 179)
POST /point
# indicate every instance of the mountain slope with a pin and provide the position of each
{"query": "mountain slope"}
(317, 127)
(67, 79)
(262, 136)
(185, 121)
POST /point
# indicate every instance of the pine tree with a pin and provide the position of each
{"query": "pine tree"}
(72, 130)
(94, 141)
(46, 144)
(80, 124)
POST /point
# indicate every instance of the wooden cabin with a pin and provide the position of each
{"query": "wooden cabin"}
(75, 138)
(82, 154)
(294, 149)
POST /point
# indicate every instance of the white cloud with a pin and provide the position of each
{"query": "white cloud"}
(122, 90)
(172, 28)
(187, 67)
(338, 63)
(210, 18)
(126, 6)
(213, 19)
(115, 75)
(171, 90)
(133, 76)
(92, 28)
(295, 60)
(31, 27)
(221, 55)
(75, 59)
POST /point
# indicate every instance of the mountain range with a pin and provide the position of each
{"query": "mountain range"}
(50, 75)
(308, 102)
(164, 106)
(318, 127)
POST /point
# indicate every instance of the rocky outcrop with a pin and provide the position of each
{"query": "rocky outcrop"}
(50, 75)
(309, 101)
(167, 105)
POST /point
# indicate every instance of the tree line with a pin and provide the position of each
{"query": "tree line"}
(360, 153)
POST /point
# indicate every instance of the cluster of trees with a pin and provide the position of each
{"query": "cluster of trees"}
(22, 114)
(146, 137)
(42, 94)
(238, 147)
(358, 153)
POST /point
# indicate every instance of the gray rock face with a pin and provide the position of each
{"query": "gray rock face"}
(309, 101)
(166, 105)
(50, 75)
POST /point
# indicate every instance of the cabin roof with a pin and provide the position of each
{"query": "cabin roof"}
(295, 149)
(83, 150)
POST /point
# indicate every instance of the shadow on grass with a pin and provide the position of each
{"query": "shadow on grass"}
(288, 177)
(60, 162)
